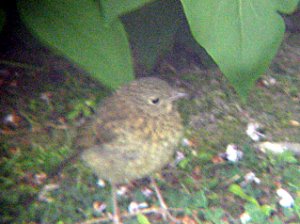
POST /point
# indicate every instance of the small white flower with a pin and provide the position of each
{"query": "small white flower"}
(186, 142)
(253, 132)
(265, 82)
(269, 81)
(286, 200)
(147, 192)
(245, 217)
(233, 154)
(101, 183)
(143, 205)
(134, 207)
(46, 96)
(272, 81)
(8, 119)
(122, 190)
(194, 153)
(99, 207)
(249, 178)
(179, 156)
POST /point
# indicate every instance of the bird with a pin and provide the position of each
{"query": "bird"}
(132, 134)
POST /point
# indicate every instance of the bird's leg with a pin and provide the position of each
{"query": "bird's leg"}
(116, 212)
(163, 205)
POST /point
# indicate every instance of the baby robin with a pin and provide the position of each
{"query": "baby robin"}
(132, 134)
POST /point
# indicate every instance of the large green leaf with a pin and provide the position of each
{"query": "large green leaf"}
(241, 36)
(77, 30)
(151, 31)
(286, 6)
(115, 8)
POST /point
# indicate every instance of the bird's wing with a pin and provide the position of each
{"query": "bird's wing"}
(93, 132)
(107, 125)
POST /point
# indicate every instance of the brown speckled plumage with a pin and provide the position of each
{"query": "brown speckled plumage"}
(132, 135)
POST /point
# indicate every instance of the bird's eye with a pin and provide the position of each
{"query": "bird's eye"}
(154, 100)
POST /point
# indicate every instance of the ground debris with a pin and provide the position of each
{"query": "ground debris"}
(279, 147)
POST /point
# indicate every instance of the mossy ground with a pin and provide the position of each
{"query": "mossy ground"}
(47, 113)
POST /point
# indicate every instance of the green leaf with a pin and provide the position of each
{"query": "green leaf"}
(76, 29)
(112, 9)
(184, 163)
(237, 190)
(241, 36)
(286, 6)
(72, 114)
(142, 219)
(151, 31)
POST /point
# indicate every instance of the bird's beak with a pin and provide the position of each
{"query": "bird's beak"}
(178, 95)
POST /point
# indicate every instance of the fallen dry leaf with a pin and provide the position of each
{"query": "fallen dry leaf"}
(294, 123)
(14, 150)
(12, 118)
(197, 172)
(217, 160)
(14, 83)
(188, 220)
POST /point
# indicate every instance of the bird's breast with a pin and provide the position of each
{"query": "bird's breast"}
(142, 147)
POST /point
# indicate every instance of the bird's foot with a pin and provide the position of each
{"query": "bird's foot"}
(164, 208)
(116, 215)
(167, 216)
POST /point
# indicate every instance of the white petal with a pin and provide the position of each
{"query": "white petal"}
(257, 180)
(101, 183)
(147, 192)
(133, 207)
(143, 205)
(179, 156)
(233, 154)
(253, 133)
(186, 142)
(286, 200)
(122, 190)
(245, 217)
(250, 176)
(8, 119)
